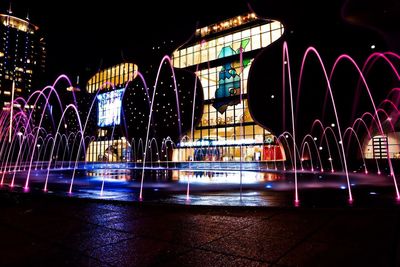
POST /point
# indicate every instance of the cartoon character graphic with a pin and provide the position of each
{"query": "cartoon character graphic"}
(229, 80)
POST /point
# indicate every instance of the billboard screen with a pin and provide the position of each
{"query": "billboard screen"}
(109, 108)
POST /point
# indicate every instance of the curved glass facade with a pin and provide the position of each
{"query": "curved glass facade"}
(221, 57)
(228, 44)
(116, 76)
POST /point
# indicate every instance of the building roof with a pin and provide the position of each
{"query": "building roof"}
(18, 23)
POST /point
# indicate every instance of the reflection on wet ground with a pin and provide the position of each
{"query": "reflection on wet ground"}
(212, 187)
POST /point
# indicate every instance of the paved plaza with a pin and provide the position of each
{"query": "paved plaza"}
(43, 230)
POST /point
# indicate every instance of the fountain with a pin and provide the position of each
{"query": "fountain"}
(189, 164)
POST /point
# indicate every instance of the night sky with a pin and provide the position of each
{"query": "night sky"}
(83, 36)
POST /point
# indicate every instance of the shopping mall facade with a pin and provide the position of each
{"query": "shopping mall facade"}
(221, 56)
(108, 86)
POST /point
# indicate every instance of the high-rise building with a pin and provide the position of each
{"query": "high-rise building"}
(221, 55)
(22, 58)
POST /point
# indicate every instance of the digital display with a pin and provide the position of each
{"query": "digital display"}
(109, 112)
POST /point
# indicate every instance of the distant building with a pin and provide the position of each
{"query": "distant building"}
(385, 143)
(22, 58)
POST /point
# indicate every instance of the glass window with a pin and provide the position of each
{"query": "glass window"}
(265, 39)
(175, 62)
(204, 83)
(189, 59)
(212, 82)
(249, 131)
(228, 40)
(211, 53)
(183, 61)
(245, 75)
(247, 116)
(196, 59)
(229, 133)
(213, 133)
(238, 113)
(255, 30)
(245, 33)
(203, 45)
(259, 133)
(220, 118)
(183, 52)
(204, 133)
(238, 132)
(275, 35)
(90, 86)
(204, 78)
(205, 118)
(237, 36)
(196, 48)
(204, 55)
(175, 54)
(108, 76)
(255, 42)
(275, 25)
(101, 78)
(196, 135)
(230, 116)
(213, 116)
(117, 80)
(265, 28)
(258, 130)
(126, 75)
(219, 51)
(220, 41)
(112, 80)
(211, 90)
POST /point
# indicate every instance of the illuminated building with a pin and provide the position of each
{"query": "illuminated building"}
(383, 145)
(221, 56)
(109, 86)
(22, 57)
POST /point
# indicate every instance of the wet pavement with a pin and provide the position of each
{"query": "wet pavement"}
(48, 230)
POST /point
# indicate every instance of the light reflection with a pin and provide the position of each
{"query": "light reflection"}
(223, 177)
(110, 175)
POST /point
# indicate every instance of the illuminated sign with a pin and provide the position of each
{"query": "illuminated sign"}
(219, 143)
(109, 104)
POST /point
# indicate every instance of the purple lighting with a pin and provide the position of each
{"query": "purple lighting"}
(325, 154)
